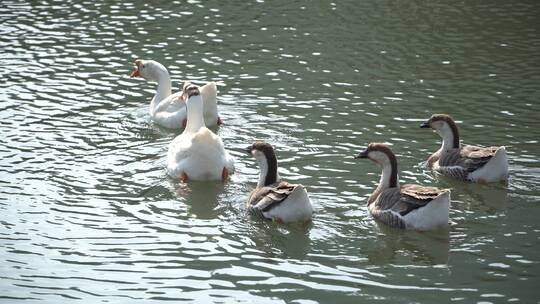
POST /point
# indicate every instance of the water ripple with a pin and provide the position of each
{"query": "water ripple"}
(88, 211)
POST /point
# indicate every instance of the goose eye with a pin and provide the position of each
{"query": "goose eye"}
(144, 66)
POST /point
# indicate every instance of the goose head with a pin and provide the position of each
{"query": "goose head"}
(263, 152)
(148, 69)
(378, 153)
(445, 126)
(383, 156)
(191, 95)
(189, 90)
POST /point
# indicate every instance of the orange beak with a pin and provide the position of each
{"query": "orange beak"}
(136, 72)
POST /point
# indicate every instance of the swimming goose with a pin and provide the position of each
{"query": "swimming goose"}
(197, 153)
(272, 198)
(471, 163)
(408, 206)
(170, 110)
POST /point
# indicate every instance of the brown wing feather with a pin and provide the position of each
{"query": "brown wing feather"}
(405, 199)
(265, 198)
(421, 192)
(469, 158)
(478, 152)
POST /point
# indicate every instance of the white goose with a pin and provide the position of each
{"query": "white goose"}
(170, 110)
(471, 163)
(408, 206)
(272, 198)
(197, 153)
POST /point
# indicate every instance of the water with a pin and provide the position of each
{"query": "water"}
(87, 211)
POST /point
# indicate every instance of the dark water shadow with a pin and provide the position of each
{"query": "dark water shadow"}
(491, 198)
(399, 246)
(280, 240)
(201, 198)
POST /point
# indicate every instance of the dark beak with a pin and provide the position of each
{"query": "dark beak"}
(363, 154)
(248, 149)
(425, 125)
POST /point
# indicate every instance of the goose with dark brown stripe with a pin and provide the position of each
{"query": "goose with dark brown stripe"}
(407, 206)
(465, 162)
(197, 153)
(272, 198)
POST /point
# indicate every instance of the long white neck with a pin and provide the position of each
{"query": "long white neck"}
(269, 173)
(386, 175)
(163, 89)
(263, 164)
(209, 94)
(386, 180)
(447, 138)
(195, 119)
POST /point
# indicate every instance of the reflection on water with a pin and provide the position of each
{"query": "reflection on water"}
(289, 241)
(491, 198)
(88, 212)
(201, 198)
(398, 247)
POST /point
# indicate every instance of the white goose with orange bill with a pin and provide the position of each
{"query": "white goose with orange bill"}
(408, 206)
(273, 198)
(465, 162)
(169, 110)
(197, 153)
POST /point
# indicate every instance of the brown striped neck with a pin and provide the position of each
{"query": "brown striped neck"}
(264, 153)
(447, 129)
(382, 155)
(271, 175)
(456, 136)
(453, 134)
(389, 176)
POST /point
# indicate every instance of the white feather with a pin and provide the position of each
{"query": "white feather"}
(169, 110)
(434, 214)
(296, 207)
(495, 170)
(198, 152)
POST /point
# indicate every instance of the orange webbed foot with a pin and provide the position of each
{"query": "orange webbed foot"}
(278, 220)
(183, 177)
(225, 174)
(183, 190)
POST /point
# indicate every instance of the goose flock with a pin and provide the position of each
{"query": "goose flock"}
(199, 154)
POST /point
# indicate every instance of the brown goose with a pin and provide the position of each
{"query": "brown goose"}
(272, 198)
(471, 163)
(408, 206)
